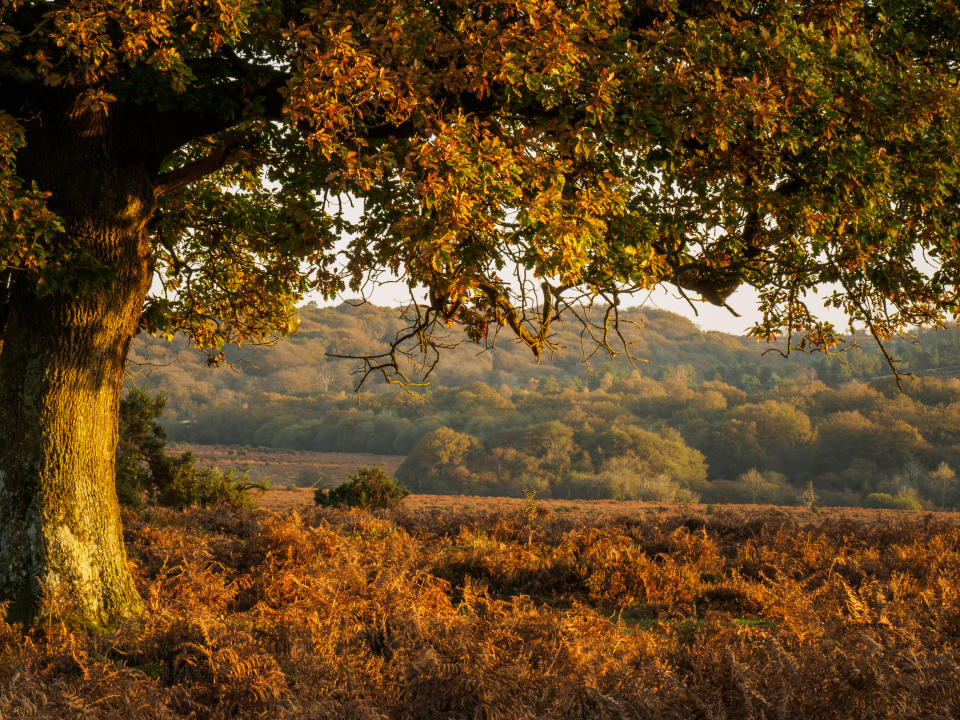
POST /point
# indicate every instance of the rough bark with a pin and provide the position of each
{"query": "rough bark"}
(61, 370)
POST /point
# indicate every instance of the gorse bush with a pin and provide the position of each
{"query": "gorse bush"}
(367, 488)
(620, 480)
(900, 501)
(753, 486)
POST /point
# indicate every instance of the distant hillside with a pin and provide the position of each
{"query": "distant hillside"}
(706, 415)
(299, 366)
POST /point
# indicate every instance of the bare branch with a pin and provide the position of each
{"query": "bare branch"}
(508, 314)
(389, 363)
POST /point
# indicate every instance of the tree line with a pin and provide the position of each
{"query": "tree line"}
(727, 424)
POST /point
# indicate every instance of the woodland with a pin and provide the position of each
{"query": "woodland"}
(695, 416)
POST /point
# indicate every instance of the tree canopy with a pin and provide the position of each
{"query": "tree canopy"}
(512, 158)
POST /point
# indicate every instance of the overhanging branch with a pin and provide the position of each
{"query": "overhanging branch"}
(508, 314)
(227, 153)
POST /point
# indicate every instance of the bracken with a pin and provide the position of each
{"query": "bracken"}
(501, 614)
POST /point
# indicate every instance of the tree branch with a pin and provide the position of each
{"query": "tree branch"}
(225, 154)
(508, 314)
(224, 105)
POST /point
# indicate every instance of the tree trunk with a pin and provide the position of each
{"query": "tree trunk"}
(61, 370)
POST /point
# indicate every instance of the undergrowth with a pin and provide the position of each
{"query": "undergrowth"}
(413, 614)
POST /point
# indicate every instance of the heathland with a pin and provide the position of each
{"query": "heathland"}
(553, 605)
(526, 610)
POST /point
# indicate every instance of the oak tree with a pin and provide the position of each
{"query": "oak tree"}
(189, 166)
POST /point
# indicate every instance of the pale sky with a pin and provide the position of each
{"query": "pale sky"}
(708, 317)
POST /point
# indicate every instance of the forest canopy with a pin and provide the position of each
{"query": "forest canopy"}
(510, 158)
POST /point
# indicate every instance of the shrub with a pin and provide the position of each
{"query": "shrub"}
(650, 454)
(142, 464)
(769, 486)
(900, 501)
(367, 488)
(144, 469)
(620, 480)
(440, 462)
(132, 480)
(206, 486)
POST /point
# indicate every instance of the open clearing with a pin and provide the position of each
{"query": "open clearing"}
(288, 467)
(284, 499)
